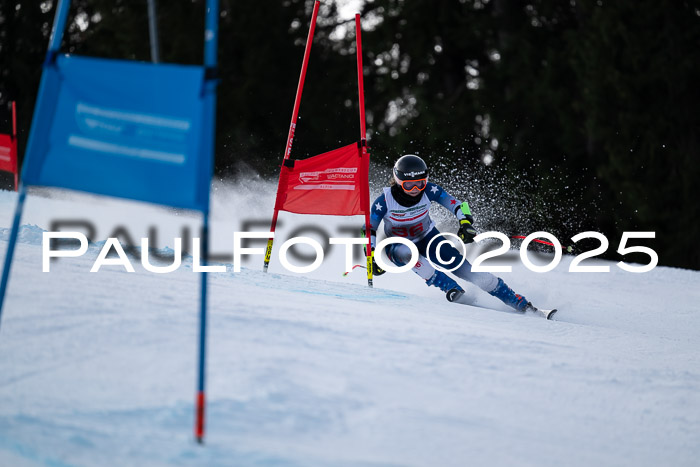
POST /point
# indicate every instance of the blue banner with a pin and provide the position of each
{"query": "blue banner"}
(127, 129)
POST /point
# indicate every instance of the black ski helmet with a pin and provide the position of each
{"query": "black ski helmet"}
(410, 167)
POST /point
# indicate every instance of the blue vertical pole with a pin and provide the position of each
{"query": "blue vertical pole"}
(199, 418)
(11, 246)
(210, 62)
(59, 25)
(211, 33)
(153, 31)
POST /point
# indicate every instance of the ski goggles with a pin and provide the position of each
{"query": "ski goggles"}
(413, 185)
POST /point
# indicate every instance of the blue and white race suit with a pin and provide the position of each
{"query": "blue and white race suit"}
(415, 224)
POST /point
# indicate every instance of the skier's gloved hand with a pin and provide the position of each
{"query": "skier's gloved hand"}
(466, 231)
(376, 270)
(373, 239)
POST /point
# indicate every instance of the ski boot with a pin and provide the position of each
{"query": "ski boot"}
(510, 298)
(445, 283)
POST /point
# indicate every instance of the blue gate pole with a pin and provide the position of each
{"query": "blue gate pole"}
(211, 30)
(199, 422)
(59, 25)
(211, 33)
(11, 246)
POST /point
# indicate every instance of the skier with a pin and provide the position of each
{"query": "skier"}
(404, 207)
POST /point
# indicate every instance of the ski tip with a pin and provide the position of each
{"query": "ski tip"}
(549, 313)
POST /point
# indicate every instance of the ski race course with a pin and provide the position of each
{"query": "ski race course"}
(318, 369)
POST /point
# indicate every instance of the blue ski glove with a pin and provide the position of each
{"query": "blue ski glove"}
(466, 232)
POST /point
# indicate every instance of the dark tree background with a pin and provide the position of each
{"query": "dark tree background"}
(573, 115)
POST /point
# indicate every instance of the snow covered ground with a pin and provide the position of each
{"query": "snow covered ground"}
(318, 369)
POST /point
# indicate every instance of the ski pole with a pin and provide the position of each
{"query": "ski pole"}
(568, 249)
(353, 268)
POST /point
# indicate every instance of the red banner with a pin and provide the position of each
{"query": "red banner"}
(8, 153)
(332, 183)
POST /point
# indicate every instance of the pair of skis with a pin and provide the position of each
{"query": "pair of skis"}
(454, 296)
(457, 296)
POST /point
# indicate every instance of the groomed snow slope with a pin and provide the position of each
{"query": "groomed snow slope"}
(317, 369)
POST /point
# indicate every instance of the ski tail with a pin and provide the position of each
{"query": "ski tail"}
(454, 294)
(546, 314)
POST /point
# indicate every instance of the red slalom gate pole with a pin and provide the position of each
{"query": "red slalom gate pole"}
(360, 78)
(292, 125)
(14, 119)
(363, 146)
(14, 142)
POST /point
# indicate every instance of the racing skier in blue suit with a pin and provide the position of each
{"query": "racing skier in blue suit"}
(404, 207)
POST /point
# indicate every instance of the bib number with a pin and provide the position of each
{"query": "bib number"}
(413, 231)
